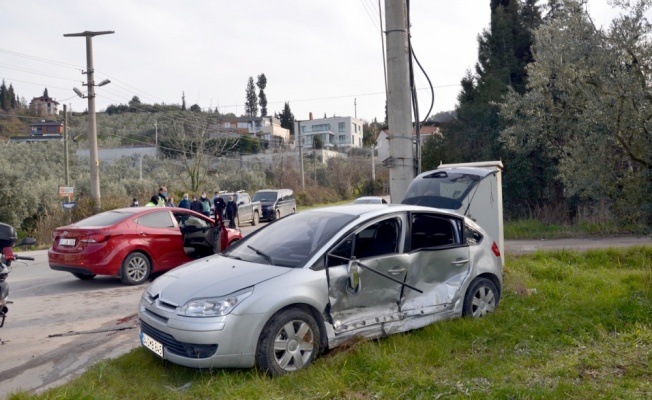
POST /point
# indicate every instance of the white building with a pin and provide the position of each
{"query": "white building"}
(268, 127)
(334, 132)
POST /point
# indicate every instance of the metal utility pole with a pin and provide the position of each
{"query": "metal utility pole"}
(399, 103)
(92, 129)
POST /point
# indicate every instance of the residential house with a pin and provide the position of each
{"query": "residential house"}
(335, 132)
(43, 106)
(46, 127)
(267, 128)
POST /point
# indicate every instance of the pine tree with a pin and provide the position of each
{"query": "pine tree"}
(504, 51)
(45, 93)
(183, 101)
(287, 118)
(4, 96)
(13, 103)
(251, 107)
(262, 98)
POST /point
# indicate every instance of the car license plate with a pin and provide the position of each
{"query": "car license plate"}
(151, 344)
(66, 242)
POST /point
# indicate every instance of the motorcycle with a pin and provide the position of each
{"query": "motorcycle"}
(8, 238)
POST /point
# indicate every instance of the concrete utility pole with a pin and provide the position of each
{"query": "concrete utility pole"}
(399, 103)
(303, 181)
(65, 144)
(92, 129)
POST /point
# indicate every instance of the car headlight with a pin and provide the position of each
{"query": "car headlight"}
(215, 306)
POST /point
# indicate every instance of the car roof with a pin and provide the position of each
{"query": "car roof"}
(368, 210)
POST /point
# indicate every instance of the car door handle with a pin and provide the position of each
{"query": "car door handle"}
(396, 270)
(461, 261)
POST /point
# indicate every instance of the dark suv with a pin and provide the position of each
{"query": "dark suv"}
(276, 203)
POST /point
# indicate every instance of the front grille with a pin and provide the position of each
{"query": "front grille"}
(176, 347)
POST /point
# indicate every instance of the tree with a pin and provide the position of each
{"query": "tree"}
(504, 51)
(183, 101)
(262, 98)
(589, 109)
(187, 138)
(287, 118)
(195, 108)
(251, 108)
(4, 96)
(45, 93)
(12, 97)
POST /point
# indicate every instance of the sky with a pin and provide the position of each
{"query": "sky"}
(323, 57)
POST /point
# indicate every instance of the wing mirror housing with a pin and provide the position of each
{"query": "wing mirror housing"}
(353, 269)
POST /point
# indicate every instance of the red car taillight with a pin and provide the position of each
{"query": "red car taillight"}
(97, 238)
(495, 249)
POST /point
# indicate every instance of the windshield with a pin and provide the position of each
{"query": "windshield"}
(264, 196)
(441, 189)
(292, 240)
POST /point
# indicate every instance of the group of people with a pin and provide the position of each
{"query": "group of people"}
(225, 209)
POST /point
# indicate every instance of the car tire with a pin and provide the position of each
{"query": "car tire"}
(83, 277)
(136, 268)
(278, 214)
(237, 221)
(481, 298)
(289, 342)
(255, 219)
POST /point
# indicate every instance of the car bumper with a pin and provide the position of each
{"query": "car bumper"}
(219, 342)
(98, 263)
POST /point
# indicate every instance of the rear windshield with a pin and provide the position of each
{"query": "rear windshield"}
(265, 196)
(104, 219)
(441, 189)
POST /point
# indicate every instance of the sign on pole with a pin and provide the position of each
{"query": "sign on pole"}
(66, 191)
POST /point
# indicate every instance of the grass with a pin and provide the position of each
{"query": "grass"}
(570, 325)
(534, 229)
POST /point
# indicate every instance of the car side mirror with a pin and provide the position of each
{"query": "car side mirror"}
(353, 269)
(28, 241)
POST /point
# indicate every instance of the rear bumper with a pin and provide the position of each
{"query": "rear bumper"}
(107, 263)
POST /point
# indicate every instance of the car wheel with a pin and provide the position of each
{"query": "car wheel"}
(255, 219)
(289, 342)
(294, 210)
(481, 298)
(135, 269)
(278, 214)
(237, 221)
(83, 277)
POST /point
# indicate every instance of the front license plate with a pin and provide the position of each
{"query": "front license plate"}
(66, 242)
(151, 344)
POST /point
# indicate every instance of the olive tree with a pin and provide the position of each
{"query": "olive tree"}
(588, 106)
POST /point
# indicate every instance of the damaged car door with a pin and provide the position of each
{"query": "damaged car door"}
(439, 264)
(366, 275)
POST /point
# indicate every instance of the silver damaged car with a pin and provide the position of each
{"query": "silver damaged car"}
(313, 280)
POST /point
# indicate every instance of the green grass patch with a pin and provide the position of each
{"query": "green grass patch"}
(534, 229)
(570, 325)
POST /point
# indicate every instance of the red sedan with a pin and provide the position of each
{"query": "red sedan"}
(131, 243)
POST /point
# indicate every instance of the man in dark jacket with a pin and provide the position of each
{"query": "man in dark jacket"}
(184, 203)
(220, 205)
(231, 212)
(196, 205)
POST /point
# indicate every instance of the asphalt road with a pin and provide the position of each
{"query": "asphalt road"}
(58, 325)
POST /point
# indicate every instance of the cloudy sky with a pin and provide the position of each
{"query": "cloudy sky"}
(321, 56)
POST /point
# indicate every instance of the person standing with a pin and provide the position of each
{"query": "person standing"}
(134, 202)
(169, 201)
(206, 205)
(220, 205)
(196, 205)
(153, 202)
(162, 194)
(184, 203)
(231, 212)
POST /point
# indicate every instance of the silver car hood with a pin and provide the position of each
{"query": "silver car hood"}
(210, 277)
